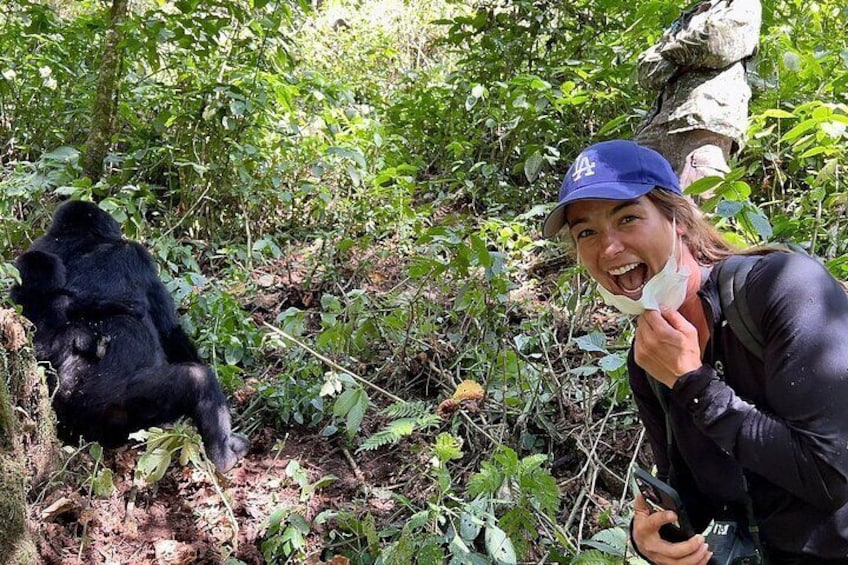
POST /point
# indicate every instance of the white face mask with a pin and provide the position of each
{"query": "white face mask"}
(666, 290)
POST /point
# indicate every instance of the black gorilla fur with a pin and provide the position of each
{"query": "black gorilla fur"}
(108, 326)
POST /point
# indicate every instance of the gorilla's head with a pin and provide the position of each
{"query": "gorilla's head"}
(77, 217)
(41, 272)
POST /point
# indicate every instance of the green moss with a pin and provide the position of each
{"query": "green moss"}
(28, 447)
(12, 473)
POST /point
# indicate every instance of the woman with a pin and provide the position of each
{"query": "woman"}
(761, 441)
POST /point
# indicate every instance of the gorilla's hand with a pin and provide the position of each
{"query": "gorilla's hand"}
(226, 453)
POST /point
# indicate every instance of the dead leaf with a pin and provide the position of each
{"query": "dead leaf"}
(468, 390)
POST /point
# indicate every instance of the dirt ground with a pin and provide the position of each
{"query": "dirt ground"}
(183, 519)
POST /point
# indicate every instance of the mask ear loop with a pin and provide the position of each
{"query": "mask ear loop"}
(675, 237)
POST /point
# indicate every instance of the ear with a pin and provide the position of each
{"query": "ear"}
(678, 227)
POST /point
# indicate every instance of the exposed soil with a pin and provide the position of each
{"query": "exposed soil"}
(183, 518)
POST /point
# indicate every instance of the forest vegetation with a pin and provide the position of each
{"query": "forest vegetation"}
(344, 198)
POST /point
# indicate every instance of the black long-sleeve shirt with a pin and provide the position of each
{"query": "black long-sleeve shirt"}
(782, 420)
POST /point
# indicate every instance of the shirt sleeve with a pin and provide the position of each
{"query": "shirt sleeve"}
(725, 32)
(799, 439)
(653, 70)
(652, 416)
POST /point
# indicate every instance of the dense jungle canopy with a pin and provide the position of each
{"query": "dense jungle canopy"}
(344, 198)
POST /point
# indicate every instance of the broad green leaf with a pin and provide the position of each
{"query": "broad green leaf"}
(703, 185)
(344, 403)
(532, 166)
(760, 224)
(471, 521)
(799, 130)
(612, 541)
(357, 412)
(612, 362)
(499, 546)
(728, 208)
(595, 341)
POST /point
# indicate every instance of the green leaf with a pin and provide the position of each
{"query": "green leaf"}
(344, 403)
(728, 208)
(357, 412)
(612, 125)
(595, 341)
(63, 154)
(612, 541)
(799, 130)
(703, 185)
(612, 362)
(471, 521)
(777, 113)
(152, 465)
(760, 223)
(447, 447)
(298, 473)
(499, 546)
(96, 452)
(431, 552)
(481, 252)
(532, 166)
(102, 484)
(486, 481)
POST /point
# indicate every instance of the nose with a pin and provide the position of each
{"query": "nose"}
(610, 244)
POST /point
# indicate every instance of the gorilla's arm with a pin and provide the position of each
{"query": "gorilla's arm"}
(94, 309)
(176, 343)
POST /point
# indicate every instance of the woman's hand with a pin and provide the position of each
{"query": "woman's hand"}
(666, 345)
(646, 535)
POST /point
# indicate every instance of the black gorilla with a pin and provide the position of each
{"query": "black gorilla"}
(108, 326)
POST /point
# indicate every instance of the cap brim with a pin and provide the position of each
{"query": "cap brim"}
(554, 221)
(601, 191)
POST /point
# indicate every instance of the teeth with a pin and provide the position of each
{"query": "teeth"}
(623, 269)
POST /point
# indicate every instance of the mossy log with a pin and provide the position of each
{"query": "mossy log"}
(29, 449)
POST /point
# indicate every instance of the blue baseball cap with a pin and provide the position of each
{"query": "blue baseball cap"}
(611, 170)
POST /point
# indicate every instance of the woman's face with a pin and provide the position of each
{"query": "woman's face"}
(622, 243)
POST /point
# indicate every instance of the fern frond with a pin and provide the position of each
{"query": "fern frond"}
(407, 409)
(398, 429)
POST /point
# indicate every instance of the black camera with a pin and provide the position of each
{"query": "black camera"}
(731, 545)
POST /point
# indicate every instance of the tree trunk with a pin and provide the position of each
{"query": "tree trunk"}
(28, 446)
(105, 101)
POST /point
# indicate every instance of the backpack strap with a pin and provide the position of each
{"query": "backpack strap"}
(733, 297)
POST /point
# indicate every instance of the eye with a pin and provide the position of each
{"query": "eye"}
(629, 218)
(583, 233)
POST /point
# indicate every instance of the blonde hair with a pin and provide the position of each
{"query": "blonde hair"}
(705, 242)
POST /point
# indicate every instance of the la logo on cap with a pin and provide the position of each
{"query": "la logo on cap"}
(583, 167)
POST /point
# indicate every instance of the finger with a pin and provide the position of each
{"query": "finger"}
(677, 321)
(649, 318)
(691, 551)
(641, 505)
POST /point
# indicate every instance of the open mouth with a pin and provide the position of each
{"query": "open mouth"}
(630, 278)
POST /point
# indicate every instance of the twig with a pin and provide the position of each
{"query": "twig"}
(357, 472)
(479, 429)
(630, 466)
(332, 363)
(211, 472)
